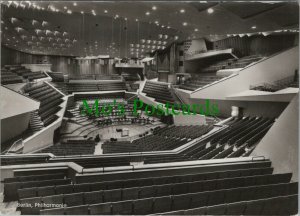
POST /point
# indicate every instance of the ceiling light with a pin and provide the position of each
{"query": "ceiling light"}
(117, 16)
(65, 8)
(196, 30)
(184, 23)
(253, 27)
(105, 11)
(136, 20)
(210, 10)
(168, 27)
(75, 4)
(156, 22)
(182, 11)
(125, 18)
(81, 12)
(147, 13)
(154, 8)
(69, 11)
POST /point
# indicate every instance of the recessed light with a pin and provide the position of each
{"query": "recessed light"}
(69, 11)
(196, 30)
(253, 27)
(154, 8)
(156, 22)
(117, 16)
(210, 10)
(75, 4)
(105, 11)
(136, 20)
(184, 23)
(147, 13)
(168, 27)
(65, 8)
(182, 11)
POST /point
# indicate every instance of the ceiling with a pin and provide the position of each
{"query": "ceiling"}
(127, 29)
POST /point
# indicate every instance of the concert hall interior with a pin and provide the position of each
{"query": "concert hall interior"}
(149, 107)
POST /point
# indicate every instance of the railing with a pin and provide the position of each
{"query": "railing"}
(16, 146)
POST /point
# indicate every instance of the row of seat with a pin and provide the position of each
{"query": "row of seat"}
(50, 101)
(162, 139)
(111, 96)
(208, 74)
(278, 85)
(280, 205)
(232, 63)
(82, 148)
(238, 139)
(189, 132)
(95, 77)
(84, 87)
(159, 91)
(150, 196)
(7, 77)
(200, 81)
(209, 175)
(234, 141)
(25, 73)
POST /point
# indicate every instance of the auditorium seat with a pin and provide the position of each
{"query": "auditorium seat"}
(74, 147)
(7, 77)
(10, 189)
(159, 91)
(25, 73)
(200, 81)
(165, 200)
(167, 138)
(96, 86)
(208, 75)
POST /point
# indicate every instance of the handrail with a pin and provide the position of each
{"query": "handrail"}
(133, 168)
(15, 143)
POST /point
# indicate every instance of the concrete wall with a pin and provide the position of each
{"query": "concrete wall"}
(44, 138)
(14, 126)
(281, 142)
(189, 119)
(252, 108)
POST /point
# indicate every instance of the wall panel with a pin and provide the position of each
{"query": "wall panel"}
(67, 65)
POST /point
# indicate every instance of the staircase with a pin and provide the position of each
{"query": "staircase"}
(35, 123)
(175, 96)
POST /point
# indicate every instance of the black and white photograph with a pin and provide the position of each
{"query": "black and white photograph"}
(149, 107)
